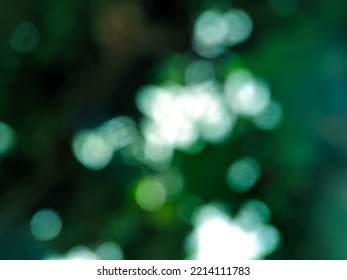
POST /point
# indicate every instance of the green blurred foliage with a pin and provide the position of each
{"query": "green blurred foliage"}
(90, 60)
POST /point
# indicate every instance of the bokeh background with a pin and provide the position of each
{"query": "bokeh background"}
(173, 129)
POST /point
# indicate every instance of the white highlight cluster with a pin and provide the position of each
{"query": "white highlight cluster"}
(94, 148)
(185, 117)
(177, 116)
(214, 31)
(246, 94)
(218, 237)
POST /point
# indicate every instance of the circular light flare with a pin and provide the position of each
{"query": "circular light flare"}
(80, 252)
(253, 214)
(109, 251)
(46, 225)
(217, 121)
(92, 150)
(150, 194)
(25, 38)
(269, 239)
(158, 102)
(158, 156)
(173, 181)
(172, 128)
(210, 31)
(270, 117)
(240, 26)
(243, 174)
(217, 236)
(118, 132)
(245, 94)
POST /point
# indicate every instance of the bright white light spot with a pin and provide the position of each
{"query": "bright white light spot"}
(217, 236)
(239, 26)
(92, 149)
(150, 194)
(168, 124)
(158, 102)
(199, 71)
(245, 94)
(109, 251)
(210, 31)
(25, 38)
(182, 117)
(7, 138)
(243, 174)
(270, 117)
(284, 7)
(205, 107)
(46, 225)
(269, 238)
(80, 252)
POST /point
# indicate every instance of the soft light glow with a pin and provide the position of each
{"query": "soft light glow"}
(150, 194)
(167, 125)
(243, 174)
(210, 31)
(173, 181)
(217, 236)
(199, 71)
(270, 117)
(25, 38)
(46, 225)
(80, 252)
(253, 214)
(215, 31)
(109, 251)
(7, 138)
(133, 154)
(217, 121)
(239, 26)
(158, 156)
(205, 107)
(92, 149)
(118, 132)
(104, 251)
(245, 94)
